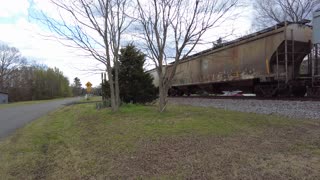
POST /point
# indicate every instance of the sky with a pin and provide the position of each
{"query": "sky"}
(17, 29)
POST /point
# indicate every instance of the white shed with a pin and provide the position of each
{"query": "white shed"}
(3, 98)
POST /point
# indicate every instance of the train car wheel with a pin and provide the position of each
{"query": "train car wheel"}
(298, 91)
(266, 90)
(180, 93)
(171, 92)
(313, 92)
(258, 91)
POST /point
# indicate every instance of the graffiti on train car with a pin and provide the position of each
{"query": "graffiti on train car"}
(266, 63)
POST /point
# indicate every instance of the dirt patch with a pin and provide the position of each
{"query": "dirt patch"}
(276, 153)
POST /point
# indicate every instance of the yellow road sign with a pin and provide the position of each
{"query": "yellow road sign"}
(88, 84)
(89, 87)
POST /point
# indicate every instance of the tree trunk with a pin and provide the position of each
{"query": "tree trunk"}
(163, 91)
(162, 100)
(117, 90)
(112, 90)
(117, 93)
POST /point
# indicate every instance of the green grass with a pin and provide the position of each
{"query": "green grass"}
(185, 120)
(93, 98)
(80, 142)
(96, 98)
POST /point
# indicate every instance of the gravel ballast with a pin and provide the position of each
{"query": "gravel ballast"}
(292, 109)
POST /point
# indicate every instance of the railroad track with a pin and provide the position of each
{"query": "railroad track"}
(253, 98)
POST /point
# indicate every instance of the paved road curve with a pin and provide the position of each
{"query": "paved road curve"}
(16, 117)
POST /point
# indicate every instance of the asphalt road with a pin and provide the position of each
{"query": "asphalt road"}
(16, 117)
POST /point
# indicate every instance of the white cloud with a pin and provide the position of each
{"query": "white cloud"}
(17, 31)
(9, 8)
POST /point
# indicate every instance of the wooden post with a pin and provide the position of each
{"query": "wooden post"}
(313, 65)
(102, 93)
(309, 65)
(277, 59)
(101, 78)
(277, 54)
(286, 50)
(316, 60)
(310, 59)
(292, 54)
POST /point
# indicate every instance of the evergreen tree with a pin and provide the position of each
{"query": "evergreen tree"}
(76, 87)
(105, 89)
(135, 85)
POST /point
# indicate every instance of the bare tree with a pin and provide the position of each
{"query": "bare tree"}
(175, 27)
(95, 26)
(270, 12)
(10, 61)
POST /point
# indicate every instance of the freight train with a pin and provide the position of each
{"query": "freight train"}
(266, 63)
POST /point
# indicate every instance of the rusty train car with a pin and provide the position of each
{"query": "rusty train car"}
(266, 63)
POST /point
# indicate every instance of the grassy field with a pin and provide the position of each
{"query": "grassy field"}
(79, 142)
(93, 98)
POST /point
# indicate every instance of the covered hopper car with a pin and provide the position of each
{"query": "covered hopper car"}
(266, 63)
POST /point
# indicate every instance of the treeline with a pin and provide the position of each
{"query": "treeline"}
(23, 80)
